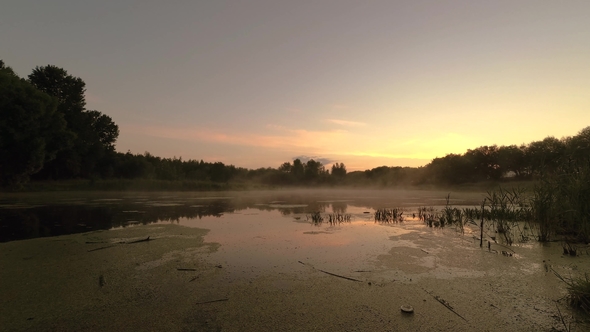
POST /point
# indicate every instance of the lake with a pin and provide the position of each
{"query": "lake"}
(265, 234)
(257, 230)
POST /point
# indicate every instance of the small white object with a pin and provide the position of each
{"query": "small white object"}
(407, 309)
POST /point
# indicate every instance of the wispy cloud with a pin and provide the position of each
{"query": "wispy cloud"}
(326, 146)
(347, 123)
(282, 137)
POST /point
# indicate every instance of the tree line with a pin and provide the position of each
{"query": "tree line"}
(535, 160)
(47, 133)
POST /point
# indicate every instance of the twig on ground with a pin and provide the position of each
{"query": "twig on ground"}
(100, 248)
(330, 273)
(445, 303)
(142, 240)
(212, 301)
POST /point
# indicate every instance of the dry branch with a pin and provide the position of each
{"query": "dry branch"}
(332, 274)
(142, 240)
(100, 248)
(212, 301)
(445, 303)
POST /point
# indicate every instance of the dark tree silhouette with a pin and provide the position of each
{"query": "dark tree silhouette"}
(95, 133)
(31, 129)
(338, 170)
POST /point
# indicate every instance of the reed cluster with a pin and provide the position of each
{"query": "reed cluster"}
(389, 215)
(336, 218)
(578, 291)
(317, 219)
(506, 209)
(561, 204)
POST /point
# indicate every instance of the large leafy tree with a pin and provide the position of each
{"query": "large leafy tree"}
(545, 156)
(579, 147)
(313, 170)
(32, 131)
(512, 158)
(95, 132)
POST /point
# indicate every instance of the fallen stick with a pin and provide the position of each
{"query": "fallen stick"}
(137, 241)
(185, 269)
(445, 303)
(330, 273)
(339, 276)
(95, 249)
(212, 301)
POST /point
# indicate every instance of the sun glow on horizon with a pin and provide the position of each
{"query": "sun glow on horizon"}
(337, 145)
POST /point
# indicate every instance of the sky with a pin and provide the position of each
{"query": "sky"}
(366, 83)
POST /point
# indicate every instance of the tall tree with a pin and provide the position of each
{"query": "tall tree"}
(338, 170)
(95, 133)
(545, 156)
(579, 146)
(31, 129)
(313, 170)
(298, 169)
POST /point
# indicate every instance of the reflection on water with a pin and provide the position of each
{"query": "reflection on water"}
(31, 216)
(269, 232)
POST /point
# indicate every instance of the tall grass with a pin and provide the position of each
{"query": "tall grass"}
(389, 215)
(561, 204)
(506, 209)
(578, 291)
(317, 219)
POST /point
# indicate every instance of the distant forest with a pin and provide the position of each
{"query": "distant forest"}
(46, 133)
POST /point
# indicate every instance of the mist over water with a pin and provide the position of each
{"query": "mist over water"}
(30, 215)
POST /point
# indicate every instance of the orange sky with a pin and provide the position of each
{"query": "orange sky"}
(366, 83)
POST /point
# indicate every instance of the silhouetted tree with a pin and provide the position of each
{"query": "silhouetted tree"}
(95, 133)
(313, 170)
(578, 147)
(450, 169)
(338, 170)
(30, 128)
(512, 158)
(219, 172)
(544, 156)
(298, 170)
(286, 167)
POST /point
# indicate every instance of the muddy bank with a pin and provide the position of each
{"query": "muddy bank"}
(170, 283)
